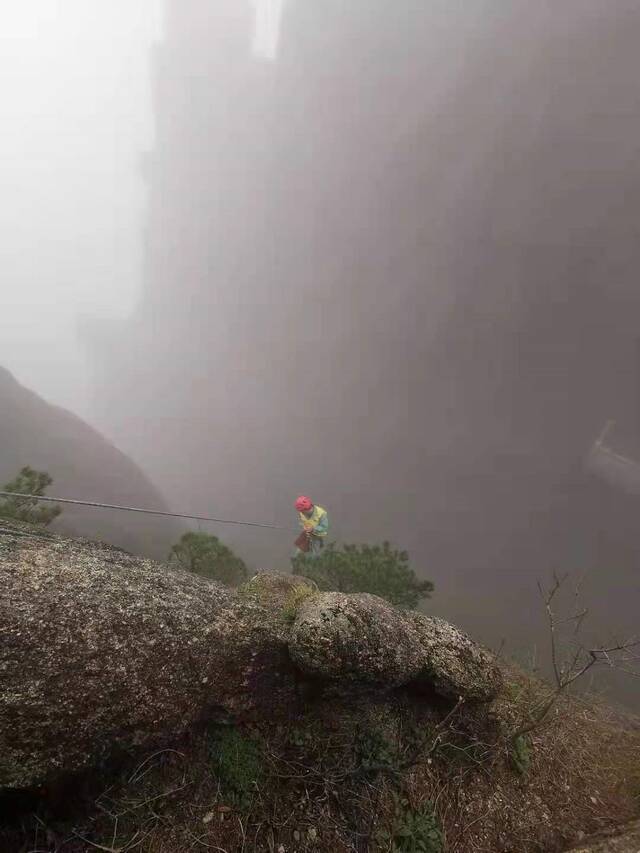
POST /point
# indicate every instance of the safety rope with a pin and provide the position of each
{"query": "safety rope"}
(147, 511)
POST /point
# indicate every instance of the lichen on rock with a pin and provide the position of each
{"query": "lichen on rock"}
(358, 637)
(274, 589)
(453, 664)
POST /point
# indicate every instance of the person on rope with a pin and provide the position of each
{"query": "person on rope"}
(315, 526)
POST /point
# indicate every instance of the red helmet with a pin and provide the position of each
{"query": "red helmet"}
(304, 504)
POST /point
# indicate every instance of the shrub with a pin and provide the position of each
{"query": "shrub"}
(206, 555)
(414, 830)
(374, 752)
(28, 482)
(377, 569)
(520, 755)
(295, 598)
(237, 763)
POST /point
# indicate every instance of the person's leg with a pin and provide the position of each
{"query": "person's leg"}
(315, 550)
(297, 558)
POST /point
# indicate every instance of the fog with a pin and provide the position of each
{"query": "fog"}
(75, 111)
(384, 254)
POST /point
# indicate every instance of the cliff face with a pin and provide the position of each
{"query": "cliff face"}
(396, 269)
(84, 466)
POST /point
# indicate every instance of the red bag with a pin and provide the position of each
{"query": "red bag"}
(303, 543)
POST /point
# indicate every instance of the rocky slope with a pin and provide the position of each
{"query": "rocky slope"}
(103, 651)
(83, 465)
(275, 717)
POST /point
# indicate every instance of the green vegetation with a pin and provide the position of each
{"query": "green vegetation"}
(408, 830)
(237, 763)
(520, 754)
(377, 569)
(374, 752)
(295, 598)
(206, 555)
(414, 830)
(28, 482)
(377, 775)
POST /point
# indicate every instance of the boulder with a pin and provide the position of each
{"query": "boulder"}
(452, 663)
(358, 637)
(100, 650)
(362, 638)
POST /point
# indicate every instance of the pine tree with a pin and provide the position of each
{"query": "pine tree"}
(206, 555)
(377, 569)
(28, 482)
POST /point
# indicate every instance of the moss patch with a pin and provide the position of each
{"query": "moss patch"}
(236, 759)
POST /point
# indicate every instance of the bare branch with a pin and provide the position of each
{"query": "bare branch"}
(583, 659)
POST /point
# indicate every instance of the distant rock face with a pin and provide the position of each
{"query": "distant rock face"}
(102, 651)
(83, 465)
(483, 375)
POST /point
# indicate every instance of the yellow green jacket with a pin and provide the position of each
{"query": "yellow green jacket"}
(318, 520)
